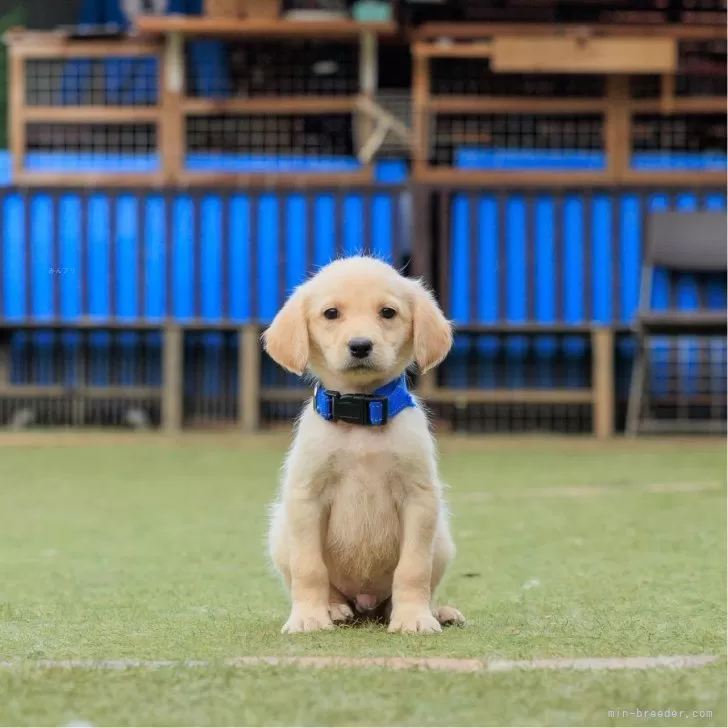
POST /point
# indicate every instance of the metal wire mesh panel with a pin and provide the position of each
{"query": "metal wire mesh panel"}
(82, 378)
(92, 81)
(210, 362)
(686, 382)
(479, 418)
(679, 133)
(474, 76)
(701, 72)
(97, 139)
(515, 132)
(273, 135)
(271, 69)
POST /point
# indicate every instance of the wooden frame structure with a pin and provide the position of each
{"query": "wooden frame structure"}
(615, 51)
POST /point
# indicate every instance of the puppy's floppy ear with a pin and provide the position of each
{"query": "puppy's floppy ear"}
(286, 339)
(432, 333)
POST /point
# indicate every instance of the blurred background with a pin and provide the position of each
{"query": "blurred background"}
(172, 169)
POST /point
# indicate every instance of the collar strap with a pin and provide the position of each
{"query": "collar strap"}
(370, 410)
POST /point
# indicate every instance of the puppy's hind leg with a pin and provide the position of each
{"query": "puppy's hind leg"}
(444, 554)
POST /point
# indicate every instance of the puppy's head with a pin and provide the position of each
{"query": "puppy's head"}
(358, 321)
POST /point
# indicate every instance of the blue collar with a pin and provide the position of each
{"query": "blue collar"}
(364, 409)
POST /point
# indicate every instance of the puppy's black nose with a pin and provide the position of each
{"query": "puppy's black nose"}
(360, 347)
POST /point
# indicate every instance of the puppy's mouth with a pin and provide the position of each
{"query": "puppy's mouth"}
(360, 365)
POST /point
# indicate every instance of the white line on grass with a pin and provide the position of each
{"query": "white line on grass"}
(445, 664)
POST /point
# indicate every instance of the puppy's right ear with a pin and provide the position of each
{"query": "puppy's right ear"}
(286, 339)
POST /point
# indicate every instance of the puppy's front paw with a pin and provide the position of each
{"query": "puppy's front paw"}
(341, 613)
(449, 616)
(307, 620)
(411, 621)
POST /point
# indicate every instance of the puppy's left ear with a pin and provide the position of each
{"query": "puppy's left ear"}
(432, 332)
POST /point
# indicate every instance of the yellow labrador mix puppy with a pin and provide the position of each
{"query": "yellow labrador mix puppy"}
(361, 518)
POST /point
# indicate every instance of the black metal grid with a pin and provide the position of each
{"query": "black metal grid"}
(516, 131)
(97, 139)
(312, 136)
(679, 132)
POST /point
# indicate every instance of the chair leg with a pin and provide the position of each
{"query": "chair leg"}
(636, 390)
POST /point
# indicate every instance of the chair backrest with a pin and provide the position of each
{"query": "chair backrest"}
(688, 241)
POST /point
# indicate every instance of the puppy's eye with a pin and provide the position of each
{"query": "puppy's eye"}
(388, 313)
(331, 313)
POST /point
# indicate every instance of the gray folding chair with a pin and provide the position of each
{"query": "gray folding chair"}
(677, 242)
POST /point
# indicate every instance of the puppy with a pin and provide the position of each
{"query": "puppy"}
(361, 518)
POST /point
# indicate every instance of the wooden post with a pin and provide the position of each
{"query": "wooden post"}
(172, 356)
(420, 111)
(618, 124)
(249, 378)
(603, 381)
(171, 127)
(368, 82)
(17, 112)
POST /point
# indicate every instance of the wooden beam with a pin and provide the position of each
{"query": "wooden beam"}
(278, 180)
(172, 377)
(201, 26)
(443, 104)
(529, 54)
(603, 381)
(473, 31)
(680, 105)
(271, 105)
(32, 44)
(86, 392)
(481, 49)
(617, 127)
(249, 378)
(420, 112)
(16, 107)
(92, 114)
(114, 179)
(171, 130)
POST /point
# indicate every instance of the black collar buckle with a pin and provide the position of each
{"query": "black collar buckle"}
(354, 408)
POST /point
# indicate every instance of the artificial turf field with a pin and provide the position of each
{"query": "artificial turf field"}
(129, 547)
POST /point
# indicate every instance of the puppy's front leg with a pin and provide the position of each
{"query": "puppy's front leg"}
(411, 610)
(309, 576)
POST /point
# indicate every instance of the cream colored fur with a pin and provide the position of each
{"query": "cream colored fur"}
(361, 517)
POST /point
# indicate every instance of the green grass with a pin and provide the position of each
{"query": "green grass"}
(156, 549)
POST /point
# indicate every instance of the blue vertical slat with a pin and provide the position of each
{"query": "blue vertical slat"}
(239, 276)
(13, 249)
(716, 285)
(211, 258)
(602, 259)
(460, 261)
(630, 234)
(487, 278)
(660, 301)
(154, 252)
(574, 283)
(45, 271)
(324, 249)
(69, 230)
(353, 243)
(382, 218)
(295, 242)
(545, 297)
(516, 288)
(268, 254)
(183, 278)
(97, 270)
(125, 265)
